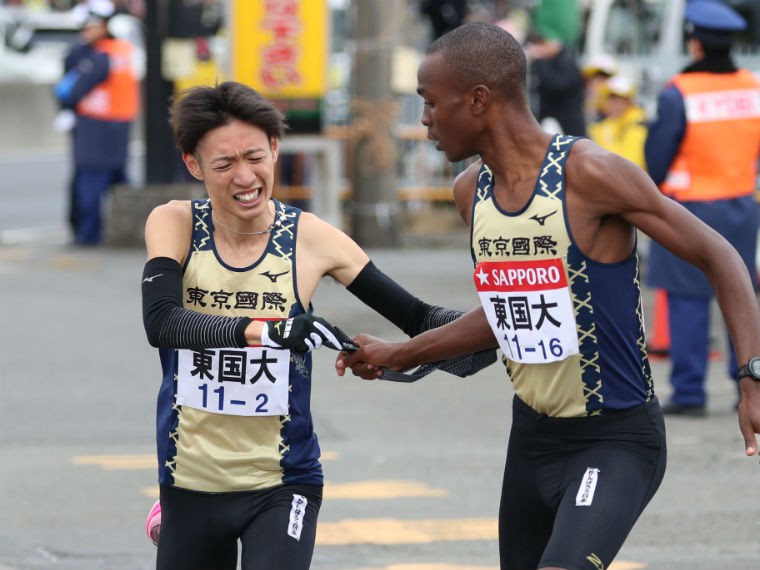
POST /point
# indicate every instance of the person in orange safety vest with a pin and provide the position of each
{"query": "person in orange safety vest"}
(702, 150)
(100, 90)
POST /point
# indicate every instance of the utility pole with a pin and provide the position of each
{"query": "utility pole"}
(160, 153)
(376, 208)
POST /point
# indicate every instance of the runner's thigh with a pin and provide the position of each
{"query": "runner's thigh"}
(194, 535)
(605, 490)
(282, 535)
(525, 520)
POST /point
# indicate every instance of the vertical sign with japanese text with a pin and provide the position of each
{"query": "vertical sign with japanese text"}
(280, 47)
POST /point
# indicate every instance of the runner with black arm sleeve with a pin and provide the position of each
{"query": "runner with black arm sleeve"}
(227, 292)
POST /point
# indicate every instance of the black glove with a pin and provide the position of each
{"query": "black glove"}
(301, 333)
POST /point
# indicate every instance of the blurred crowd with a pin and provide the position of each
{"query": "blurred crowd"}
(132, 7)
(582, 97)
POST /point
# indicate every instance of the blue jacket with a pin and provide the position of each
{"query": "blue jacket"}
(96, 143)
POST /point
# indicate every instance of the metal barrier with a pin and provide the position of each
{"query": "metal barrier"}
(324, 196)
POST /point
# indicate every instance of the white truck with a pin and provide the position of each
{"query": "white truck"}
(646, 37)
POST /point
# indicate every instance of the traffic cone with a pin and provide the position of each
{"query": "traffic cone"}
(659, 342)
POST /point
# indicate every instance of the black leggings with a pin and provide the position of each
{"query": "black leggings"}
(276, 527)
(573, 488)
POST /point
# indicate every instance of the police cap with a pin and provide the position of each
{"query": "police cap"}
(712, 22)
(97, 12)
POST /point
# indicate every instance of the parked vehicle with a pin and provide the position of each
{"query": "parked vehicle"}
(646, 37)
(33, 42)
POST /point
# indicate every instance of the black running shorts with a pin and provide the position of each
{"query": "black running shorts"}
(276, 528)
(573, 488)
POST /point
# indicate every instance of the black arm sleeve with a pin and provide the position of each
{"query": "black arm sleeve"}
(381, 293)
(169, 325)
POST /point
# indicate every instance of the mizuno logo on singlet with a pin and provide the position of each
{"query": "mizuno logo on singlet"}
(151, 278)
(541, 219)
(272, 277)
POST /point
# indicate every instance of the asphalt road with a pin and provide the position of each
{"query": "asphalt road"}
(413, 471)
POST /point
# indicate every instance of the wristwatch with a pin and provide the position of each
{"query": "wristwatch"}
(751, 369)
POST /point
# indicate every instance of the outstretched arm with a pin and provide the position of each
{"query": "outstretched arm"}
(611, 190)
(694, 241)
(329, 251)
(467, 334)
(169, 324)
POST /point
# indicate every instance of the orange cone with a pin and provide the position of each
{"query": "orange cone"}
(659, 342)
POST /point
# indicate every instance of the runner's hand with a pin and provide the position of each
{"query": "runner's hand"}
(367, 360)
(301, 334)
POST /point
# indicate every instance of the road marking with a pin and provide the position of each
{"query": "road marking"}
(142, 461)
(397, 531)
(380, 490)
(66, 262)
(117, 462)
(47, 234)
(430, 567)
(369, 490)
(419, 531)
(364, 531)
(622, 565)
(13, 254)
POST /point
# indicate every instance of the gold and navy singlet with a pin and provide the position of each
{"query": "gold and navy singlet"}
(238, 419)
(570, 328)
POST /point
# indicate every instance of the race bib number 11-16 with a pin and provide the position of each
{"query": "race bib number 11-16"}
(529, 308)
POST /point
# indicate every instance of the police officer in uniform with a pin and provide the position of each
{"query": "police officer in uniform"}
(702, 151)
(101, 90)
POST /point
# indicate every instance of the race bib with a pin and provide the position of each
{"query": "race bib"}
(529, 308)
(249, 381)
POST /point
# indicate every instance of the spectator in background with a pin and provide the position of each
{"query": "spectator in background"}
(135, 8)
(702, 151)
(444, 15)
(596, 71)
(554, 67)
(623, 130)
(99, 95)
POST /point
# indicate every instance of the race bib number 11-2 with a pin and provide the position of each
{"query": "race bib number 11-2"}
(529, 308)
(249, 381)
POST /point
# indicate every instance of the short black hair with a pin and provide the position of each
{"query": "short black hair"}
(483, 53)
(198, 110)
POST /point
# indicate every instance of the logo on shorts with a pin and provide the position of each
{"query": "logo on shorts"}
(596, 561)
(585, 495)
(297, 512)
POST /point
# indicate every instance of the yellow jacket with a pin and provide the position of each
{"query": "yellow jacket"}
(624, 135)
